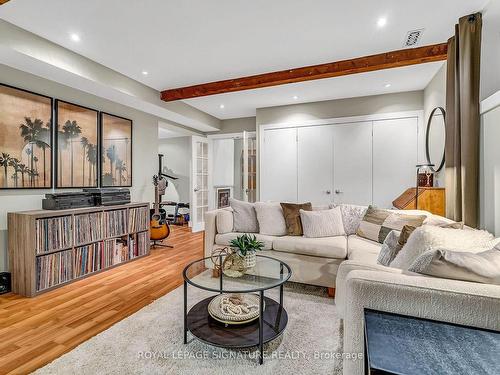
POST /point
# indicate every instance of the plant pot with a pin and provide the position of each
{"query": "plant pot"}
(250, 259)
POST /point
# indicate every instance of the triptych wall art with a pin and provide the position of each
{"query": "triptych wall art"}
(81, 147)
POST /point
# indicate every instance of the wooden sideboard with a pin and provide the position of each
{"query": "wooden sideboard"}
(432, 199)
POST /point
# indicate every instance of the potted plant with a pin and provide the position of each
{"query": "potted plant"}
(246, 246)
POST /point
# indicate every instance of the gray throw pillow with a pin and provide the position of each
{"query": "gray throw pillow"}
(390, 248)
(244, 217)
(483, 267)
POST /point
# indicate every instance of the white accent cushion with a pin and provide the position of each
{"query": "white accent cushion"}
(270, 218)
(390, 248)
(326, 247)
(225, 239)
(326, 223)
(224, 220)
(483, 267)
(352, 216)
(429, 237)
(245, 218)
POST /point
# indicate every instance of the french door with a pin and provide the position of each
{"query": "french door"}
(199, 182)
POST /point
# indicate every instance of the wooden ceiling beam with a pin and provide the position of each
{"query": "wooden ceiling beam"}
(3, 2)
(387, 60)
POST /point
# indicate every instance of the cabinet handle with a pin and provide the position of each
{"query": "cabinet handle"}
(337, 191)
(328, 192)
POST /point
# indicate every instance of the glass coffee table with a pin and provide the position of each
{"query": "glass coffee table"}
(268, 273)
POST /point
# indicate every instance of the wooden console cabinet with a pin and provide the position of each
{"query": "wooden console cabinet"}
(432, 199)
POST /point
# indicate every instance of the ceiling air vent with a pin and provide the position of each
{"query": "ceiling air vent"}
(413, 37)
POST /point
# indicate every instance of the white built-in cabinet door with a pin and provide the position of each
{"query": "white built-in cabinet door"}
(279, 165)
(315, 164)
(394, 158)
(352, 163)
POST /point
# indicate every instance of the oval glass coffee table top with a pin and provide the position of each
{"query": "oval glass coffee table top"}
(266, 274)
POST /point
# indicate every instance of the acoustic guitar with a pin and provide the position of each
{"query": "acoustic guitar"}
(158, 217)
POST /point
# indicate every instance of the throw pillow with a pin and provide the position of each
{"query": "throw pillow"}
(244, 217)
(270, 218)
(352, 216)
(483, 267)
(327, 223)
(224, 220)
(429, 237)
(405, 234)
(390, 248)
(377, 223)
(292, 217)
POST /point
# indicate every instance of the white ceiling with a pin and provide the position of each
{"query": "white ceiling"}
(196, 41)
(244, 103)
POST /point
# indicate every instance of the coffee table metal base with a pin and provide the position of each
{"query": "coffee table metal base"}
(208, 330)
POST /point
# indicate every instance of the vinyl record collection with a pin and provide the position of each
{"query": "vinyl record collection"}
(54, 269)
(138, 219)
(53, 234)
(89, 228)
(115, 223)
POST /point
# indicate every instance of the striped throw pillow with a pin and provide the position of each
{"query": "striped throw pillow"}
(378, 223)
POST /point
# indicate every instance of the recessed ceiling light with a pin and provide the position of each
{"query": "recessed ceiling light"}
(381, 22)
(144, 72)
(387, 85)
(295, 97)
(221, 106)
(75, 37)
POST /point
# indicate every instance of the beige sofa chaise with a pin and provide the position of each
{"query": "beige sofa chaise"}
(349, 263)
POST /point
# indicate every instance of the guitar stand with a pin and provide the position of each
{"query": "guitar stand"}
(160, 244)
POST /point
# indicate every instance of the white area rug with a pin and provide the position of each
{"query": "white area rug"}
(151, 342)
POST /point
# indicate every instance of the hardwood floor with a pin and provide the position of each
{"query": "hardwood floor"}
(35, 331)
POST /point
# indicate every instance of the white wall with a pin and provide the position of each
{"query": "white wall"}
(490, 171)
(236, 125)
(176, 162)
(490, 51)
(145, 138)
(435, 96)
(223, 162)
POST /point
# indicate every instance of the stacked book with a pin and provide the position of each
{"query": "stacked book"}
(138, 219)
(89, 228)
(115, 223)
(53, 234)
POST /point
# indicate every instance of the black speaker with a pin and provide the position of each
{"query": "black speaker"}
(4, 282)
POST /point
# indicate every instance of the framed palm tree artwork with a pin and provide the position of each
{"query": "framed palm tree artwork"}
(116, 151)
(77, 140)
(25, 139)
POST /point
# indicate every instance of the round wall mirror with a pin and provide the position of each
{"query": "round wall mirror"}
(435, 138)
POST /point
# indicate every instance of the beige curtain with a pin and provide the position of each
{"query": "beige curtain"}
(462, 121)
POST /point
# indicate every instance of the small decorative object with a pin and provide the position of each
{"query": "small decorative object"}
(234, 308)
(116, 149)
(427, 169)
(233, 265)
(246, 246)
(25, 139)
(223, 195)
(426, 178)
(76, 138)
(215, 258)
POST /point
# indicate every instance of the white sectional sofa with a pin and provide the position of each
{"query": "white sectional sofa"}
(349, 263)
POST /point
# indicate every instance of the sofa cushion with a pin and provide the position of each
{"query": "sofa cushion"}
(377, 223)
(245, 218)
(292, 217)
(271, 219)
(352, 216)
(390, 248)
(326, 247)
(429, 237)
(364, 256)
(356, 245)
(483, 267)
(224, 220)
(326, 223)
(224, 239)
